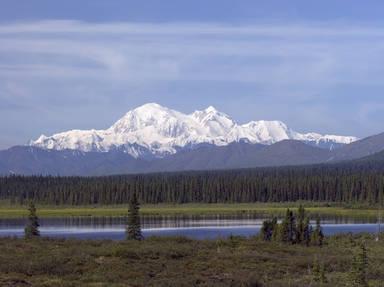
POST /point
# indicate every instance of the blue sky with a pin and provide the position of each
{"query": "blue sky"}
(316, 65)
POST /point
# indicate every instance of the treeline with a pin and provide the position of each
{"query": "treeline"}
(315, 183)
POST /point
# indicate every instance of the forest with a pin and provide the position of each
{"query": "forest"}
(344, 183)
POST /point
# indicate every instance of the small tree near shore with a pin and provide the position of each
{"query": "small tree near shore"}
(318, 235)
(32, 228)
(134, 229)
(267, 229)
(358, 273)
(288, 231)
(307, 232)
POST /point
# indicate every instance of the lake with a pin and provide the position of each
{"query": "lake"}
(197, 227)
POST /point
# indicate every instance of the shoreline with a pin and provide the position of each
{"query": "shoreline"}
(273, 209)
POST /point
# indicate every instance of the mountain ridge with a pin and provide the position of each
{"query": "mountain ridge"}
(152, 130)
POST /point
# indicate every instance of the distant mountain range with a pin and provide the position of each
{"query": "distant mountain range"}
(152, 138)
(154, 131)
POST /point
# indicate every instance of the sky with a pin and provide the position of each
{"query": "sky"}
(315, 65)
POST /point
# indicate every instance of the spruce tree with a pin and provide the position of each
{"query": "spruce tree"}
(32, 228)
(358, 273)
(134, 229)
(276, 233)
(291, 227)
(265, 231)
(317, 235)
(307, 232)
(274, 226)
(300, 224)
(284, 232)
(268, 228)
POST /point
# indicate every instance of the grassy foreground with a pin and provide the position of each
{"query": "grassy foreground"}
(7, 211)
(181, 262)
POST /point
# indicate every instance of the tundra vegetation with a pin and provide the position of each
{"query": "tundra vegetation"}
(178, 261)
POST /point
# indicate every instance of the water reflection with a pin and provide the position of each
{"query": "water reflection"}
(194, 226)
(172, 221)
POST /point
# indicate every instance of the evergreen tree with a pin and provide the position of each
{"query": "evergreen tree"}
(265, 231)
(291, 227)
(134, 228)
(307, 232)
(286, 231)
(284, 234)
(32, 228)
(276, 233)
(300, 224)
(358, 273)
(268, 228)
(274, 226)
(318, 235)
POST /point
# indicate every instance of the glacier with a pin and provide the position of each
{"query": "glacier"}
(154, 131)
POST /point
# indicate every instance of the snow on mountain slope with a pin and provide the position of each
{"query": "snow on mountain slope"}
(218, 124)
(265, 132)
(154, 130)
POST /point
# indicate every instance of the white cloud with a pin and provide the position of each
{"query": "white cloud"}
(271, 29)
(269, 54)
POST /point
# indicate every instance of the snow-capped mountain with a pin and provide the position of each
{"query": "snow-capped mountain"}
(152, 130)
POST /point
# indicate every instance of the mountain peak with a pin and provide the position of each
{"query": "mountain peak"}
(150, 107)
(211, 109)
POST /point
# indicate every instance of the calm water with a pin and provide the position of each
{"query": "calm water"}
(199, 227)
